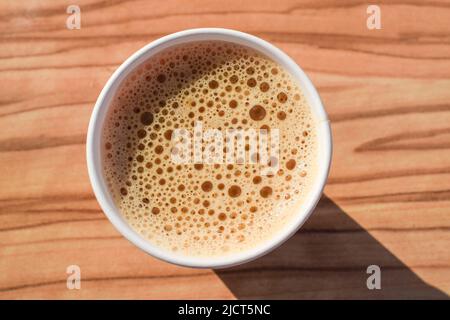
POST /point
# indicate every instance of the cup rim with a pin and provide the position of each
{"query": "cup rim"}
(93, 147)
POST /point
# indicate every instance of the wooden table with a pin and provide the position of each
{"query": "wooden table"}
(387, 202)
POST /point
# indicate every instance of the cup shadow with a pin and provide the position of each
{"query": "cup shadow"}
(327, 259)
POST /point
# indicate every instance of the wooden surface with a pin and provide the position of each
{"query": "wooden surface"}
(387, 201)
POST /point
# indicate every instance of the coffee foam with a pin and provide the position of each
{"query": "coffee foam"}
(207, 209)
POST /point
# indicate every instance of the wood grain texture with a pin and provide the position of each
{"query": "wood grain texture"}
(387, 201)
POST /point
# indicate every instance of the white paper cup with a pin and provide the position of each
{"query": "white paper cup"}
(94, 160)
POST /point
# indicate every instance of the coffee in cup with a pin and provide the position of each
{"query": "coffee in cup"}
(200, 201)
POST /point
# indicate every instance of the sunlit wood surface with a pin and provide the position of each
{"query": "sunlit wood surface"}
(387, 201)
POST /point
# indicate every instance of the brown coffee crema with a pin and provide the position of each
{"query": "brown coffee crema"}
(200, 209)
